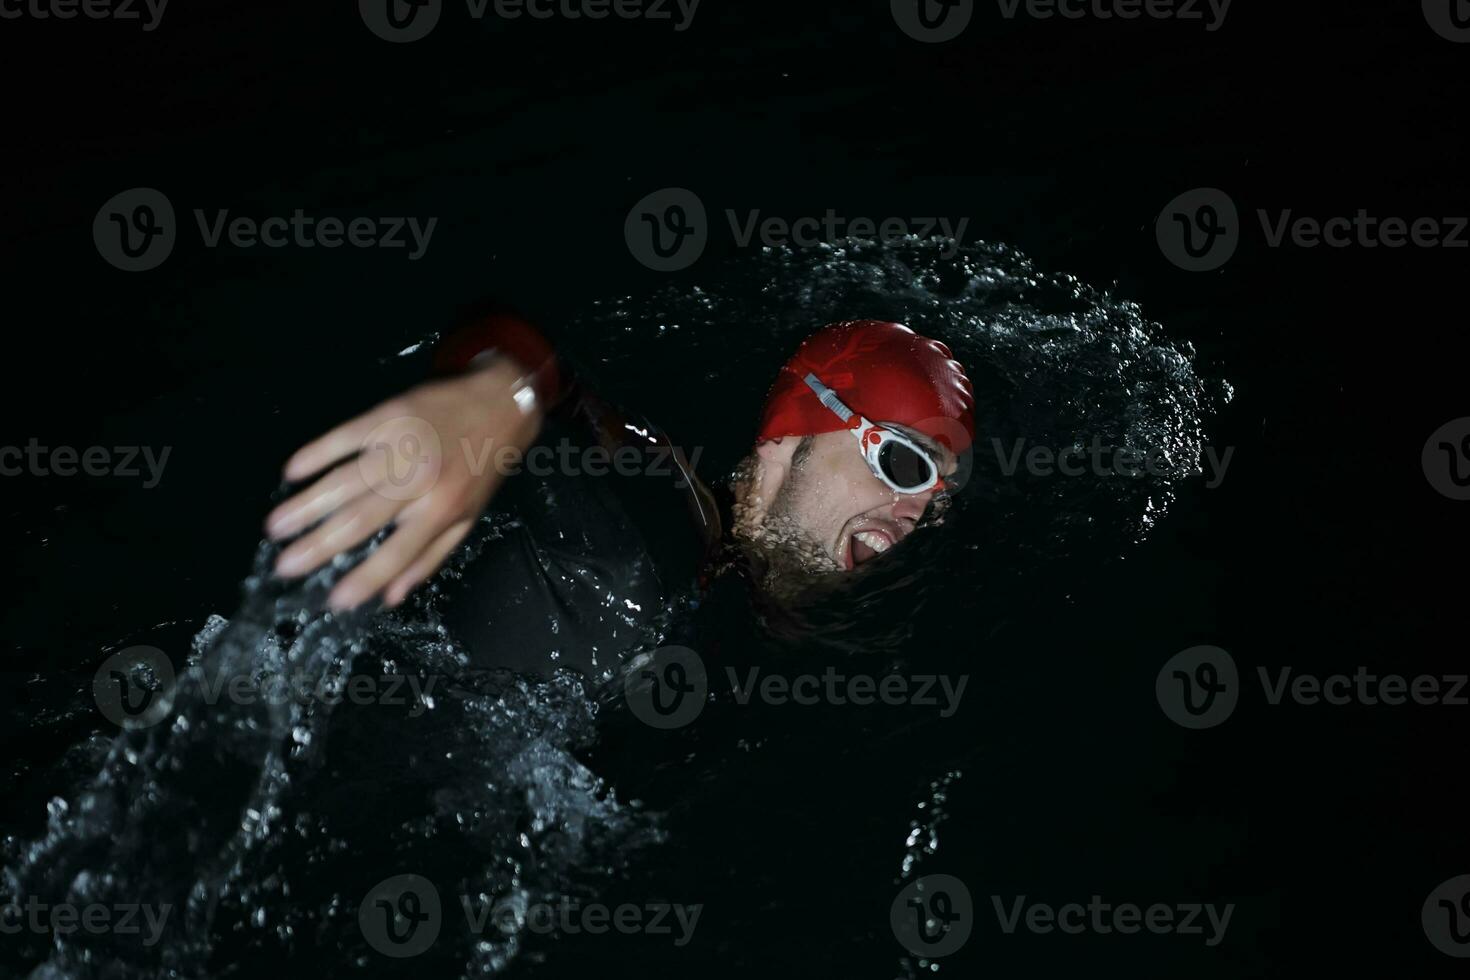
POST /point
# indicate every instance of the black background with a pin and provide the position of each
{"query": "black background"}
(530, 141)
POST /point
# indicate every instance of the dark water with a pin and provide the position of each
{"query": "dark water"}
(792, 827)
(263, 823)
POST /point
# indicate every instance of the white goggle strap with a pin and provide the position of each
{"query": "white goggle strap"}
(829, 398)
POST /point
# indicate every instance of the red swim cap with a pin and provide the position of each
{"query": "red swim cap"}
(883, 371)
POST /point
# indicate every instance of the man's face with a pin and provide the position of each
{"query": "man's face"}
(831, 513)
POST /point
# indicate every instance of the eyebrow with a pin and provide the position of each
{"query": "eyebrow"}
(939, 452)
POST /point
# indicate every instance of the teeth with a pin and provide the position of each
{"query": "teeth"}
(875, 541)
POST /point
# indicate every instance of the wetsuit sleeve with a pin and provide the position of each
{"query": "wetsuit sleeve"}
(564, 392)
(509, 336)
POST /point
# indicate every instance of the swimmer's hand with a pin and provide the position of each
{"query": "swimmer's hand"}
(424, 461)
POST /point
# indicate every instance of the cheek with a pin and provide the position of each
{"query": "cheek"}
(841, 487)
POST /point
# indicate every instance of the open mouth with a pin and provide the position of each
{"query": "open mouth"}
(864, 546)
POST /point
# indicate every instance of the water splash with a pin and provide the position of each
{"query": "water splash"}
(1056, 364)
(232, 824)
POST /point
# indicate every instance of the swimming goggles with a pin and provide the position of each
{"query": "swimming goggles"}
(894, 458)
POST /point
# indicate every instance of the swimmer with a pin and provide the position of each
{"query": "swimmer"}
(858, 446)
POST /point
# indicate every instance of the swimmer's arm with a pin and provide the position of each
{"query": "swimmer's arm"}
(566, 391)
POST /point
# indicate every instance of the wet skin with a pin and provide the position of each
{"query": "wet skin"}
(837, 502)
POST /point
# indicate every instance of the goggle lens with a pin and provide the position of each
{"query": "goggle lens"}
(906, 468)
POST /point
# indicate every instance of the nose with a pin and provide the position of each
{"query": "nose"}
(911, 506)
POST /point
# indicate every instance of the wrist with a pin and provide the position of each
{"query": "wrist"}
(496, 379)
(507, 336)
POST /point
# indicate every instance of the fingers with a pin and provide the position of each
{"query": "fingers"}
(400, 472)
(348, 527)
(400, 461)
(315, 502)
(342, 441)
(407, 542)
(427, 562)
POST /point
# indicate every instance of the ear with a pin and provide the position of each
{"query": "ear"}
(773, 465)
(778, 450)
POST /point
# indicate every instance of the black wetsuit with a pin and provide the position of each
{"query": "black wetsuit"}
(588, 566)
